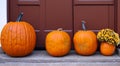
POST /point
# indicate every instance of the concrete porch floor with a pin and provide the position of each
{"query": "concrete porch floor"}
(41, 58)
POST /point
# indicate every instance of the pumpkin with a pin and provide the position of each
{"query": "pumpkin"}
(0, 39)
(18, 38)
(109, 40)
(107, 49)
(85, 41)
(58, 43)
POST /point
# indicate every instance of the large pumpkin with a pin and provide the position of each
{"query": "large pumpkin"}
(0, 39)
(85, 42)
(18, 38)
(58, 43)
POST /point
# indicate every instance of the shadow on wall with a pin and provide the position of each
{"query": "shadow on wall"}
(3, 13)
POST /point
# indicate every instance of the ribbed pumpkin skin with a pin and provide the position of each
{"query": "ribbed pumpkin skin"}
(0, 38)
(58, 43)
(85, 42)
(107, 49)
(18, 39)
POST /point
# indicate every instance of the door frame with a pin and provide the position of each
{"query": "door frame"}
(118, 15)
(8, 10)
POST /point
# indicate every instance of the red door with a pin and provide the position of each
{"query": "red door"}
(44, 15)
(98, 14)
(48, 15)
(58, 15)
(34, 13)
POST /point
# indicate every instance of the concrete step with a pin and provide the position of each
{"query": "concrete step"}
(41, 58)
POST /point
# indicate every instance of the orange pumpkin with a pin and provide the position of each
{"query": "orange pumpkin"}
(58, 43)
(85, 41)
(0, 39)
(109, 40)
(107, 49)
(18, 38)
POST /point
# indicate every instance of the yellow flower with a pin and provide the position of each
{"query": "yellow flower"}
(108, 35)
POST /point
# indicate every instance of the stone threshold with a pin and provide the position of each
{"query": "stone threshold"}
(41, 56)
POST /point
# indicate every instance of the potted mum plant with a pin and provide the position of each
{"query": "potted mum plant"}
(109, 40)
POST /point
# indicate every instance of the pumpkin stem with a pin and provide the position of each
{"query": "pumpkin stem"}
(60, 29)
(83, 25)
(19, 17)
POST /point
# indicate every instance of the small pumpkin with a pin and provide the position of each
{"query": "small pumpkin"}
(109, 40)
(18, 38)
(85, 41)
(107, 49)
(58, 43)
